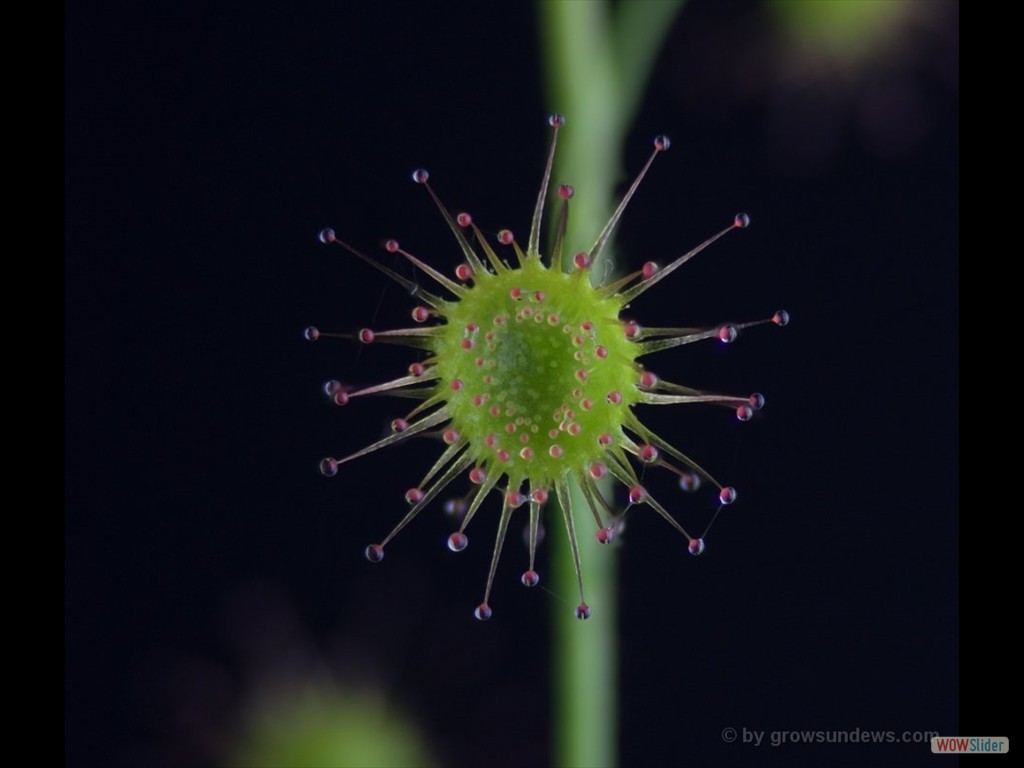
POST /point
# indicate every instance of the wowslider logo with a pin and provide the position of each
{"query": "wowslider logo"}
(959, 745)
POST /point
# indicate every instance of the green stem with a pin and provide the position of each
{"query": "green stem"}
(596, 63)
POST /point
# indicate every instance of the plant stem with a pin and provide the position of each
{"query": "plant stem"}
(596, 62)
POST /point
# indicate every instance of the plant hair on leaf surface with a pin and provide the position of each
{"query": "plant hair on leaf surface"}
(529, 377)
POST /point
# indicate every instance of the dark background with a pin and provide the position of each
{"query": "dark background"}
(205, 554)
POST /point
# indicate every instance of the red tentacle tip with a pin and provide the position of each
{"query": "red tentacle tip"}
(458, 541)
(530, 578)
(727, 334)
(583, 612)
(374, 553)
(483, 612)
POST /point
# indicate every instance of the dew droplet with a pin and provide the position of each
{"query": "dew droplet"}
(632, 329)
(332, 387)
(661, 143)
(420, 314)
(450, 436)
(689, 482)
(649, 270)
(340, 397)
(727, 333)
(477, 475)
(399, 425)
(648, 380)
(614, 397)
(464, 220)
(483, 612)
(696, 546)
(366, 336)
(392, 246)
(455, 507)
(417, 369)
(464, 272)
(566, 191)
(727, 495)
(374, 553)
(581, 260)
(328, 467)
(515, 499)
(458, 541)
(420, 176)
(583, 611)
(741, 221)
(505, 237)
(327, 235)
(556, 121)
(598, 470)
(312, 333)
(744, 412)
(648, 454)
(540, 496)
(605, 535)
(636, 494)
(781, 317)
(756, 401)
(530, 578)
(414, 495)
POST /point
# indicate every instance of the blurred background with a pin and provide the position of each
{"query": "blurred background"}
(219, 610)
